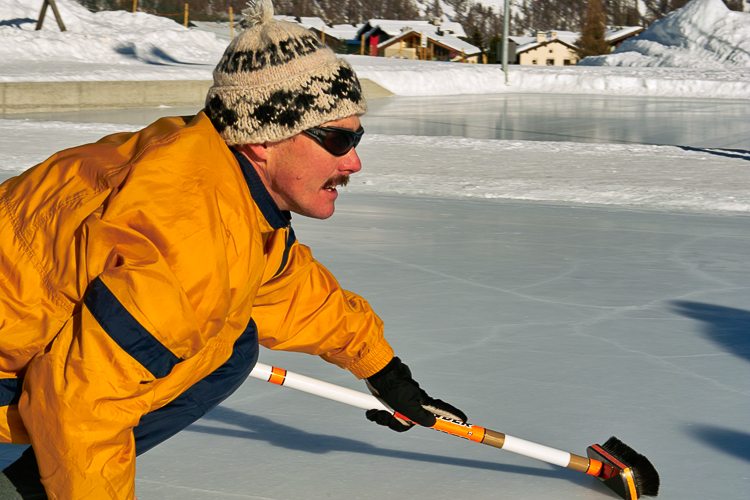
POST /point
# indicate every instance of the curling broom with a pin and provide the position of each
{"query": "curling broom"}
(618, 466)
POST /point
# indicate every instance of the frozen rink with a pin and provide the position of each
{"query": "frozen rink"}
(562, 268)
(554, 321)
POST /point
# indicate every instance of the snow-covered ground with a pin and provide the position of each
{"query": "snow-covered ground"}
(681, 58)
(115, 45)
(703, 34)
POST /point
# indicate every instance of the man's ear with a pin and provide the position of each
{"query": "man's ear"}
(254, 152)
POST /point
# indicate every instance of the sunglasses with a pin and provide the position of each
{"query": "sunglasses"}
(336, 140)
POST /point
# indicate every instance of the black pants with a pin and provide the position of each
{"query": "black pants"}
(159, 425)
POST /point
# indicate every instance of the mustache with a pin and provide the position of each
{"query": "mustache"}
(339, 180)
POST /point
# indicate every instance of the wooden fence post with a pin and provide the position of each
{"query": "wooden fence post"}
(231, 24)
(186, 15)
(50, 3)
(135, 5)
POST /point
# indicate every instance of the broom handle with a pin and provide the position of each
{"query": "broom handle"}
(474, 433)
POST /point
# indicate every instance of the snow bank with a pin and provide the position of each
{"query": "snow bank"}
(426, 78)
(703, 34)
(116, 37)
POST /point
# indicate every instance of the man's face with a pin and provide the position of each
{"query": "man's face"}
(302, 176)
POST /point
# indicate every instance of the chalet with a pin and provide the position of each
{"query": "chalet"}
(558, 48)
(551, 48)
(408, 45)
(386, 29)
(342, 38)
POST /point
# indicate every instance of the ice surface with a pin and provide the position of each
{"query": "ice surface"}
(555, 323)
(558, 322)
(707, 123)
(632, 175)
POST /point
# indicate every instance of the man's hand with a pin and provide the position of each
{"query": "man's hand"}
(394, 386)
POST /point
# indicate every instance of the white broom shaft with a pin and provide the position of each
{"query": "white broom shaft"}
(367, 402)
(319, 388)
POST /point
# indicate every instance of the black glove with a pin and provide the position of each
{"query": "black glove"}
(394, 386)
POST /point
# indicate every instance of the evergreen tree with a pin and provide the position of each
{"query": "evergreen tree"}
(592, 41)
(494, 50)
(476, 41)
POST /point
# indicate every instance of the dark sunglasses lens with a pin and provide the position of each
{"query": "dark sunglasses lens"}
(339, 143)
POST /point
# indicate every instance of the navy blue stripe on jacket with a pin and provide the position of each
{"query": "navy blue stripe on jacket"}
(10, 391)
(126, 332)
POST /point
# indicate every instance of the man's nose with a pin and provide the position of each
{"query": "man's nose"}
(351, 163)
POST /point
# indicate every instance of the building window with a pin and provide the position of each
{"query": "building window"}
(550, 51)
(533, 61)
(550, 62)
(566, 62)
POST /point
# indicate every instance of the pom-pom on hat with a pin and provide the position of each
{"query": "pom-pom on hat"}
(277, 79)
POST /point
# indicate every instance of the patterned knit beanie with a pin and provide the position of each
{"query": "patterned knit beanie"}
(277, 79)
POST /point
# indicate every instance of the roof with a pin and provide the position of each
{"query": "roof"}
(522, 40)
(289, 19)
(569, 37)
(312, 22)
(526, 43)
(396, 27)
(343, 31)
(614, 34)
(530, 46)
(449, 41)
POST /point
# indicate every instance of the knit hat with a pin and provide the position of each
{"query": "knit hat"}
(277, 79)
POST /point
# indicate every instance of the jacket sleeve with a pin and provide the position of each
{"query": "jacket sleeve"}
(158, 294)
(303, 309)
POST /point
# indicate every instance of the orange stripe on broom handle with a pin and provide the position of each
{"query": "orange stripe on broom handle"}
(496, 439)
(278, 375)
(595, 467)
(454, 428)
(472, 432)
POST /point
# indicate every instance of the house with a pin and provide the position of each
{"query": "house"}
(386, 29)
(408, 45)
(342, 38)
(550, 48)
(558, 48)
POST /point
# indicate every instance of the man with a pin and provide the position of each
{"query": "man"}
(140, 273)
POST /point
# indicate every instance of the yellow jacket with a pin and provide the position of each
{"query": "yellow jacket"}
(128, 268)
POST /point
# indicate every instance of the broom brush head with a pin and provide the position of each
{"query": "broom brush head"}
(625, 471)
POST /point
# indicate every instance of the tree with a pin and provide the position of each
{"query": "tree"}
(494, 52)
(435, 11)
(592, 41)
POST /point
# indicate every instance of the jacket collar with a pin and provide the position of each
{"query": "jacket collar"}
(275, 217)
